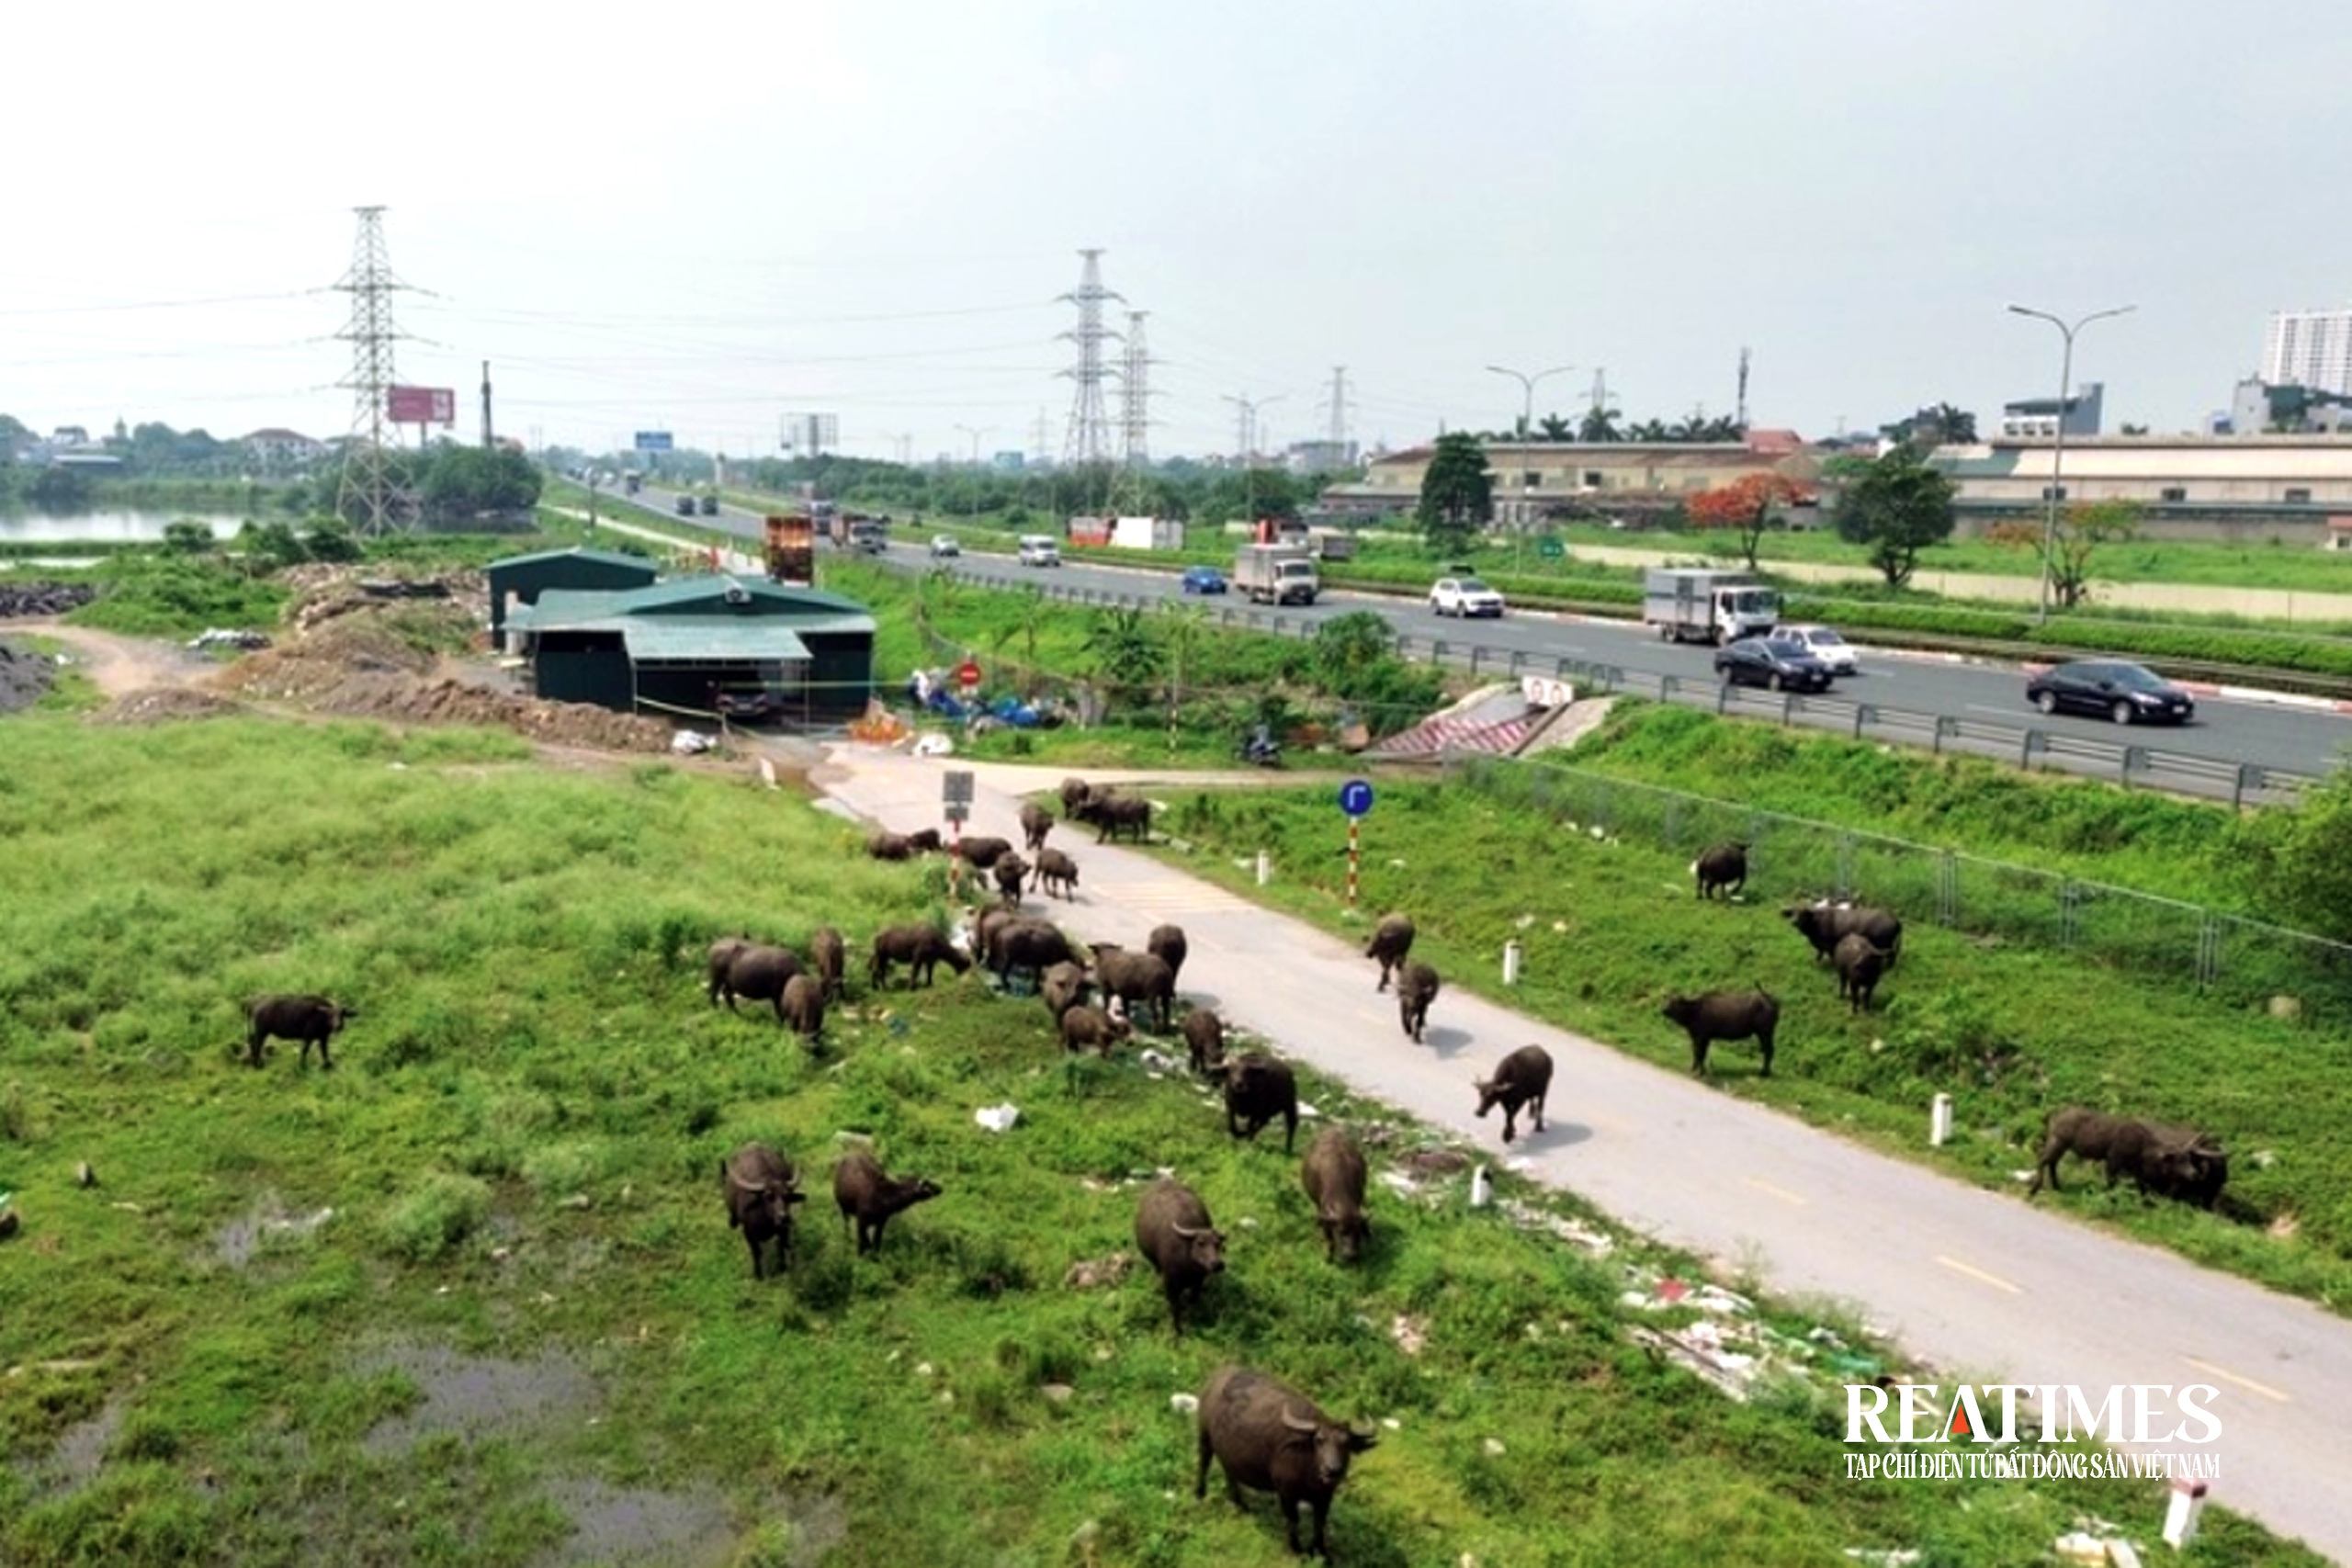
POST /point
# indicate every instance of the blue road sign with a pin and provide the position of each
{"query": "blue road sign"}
(1355, 796)
(654, 441)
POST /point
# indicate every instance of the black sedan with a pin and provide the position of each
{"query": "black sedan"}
(1781, 663)
(2110, 688)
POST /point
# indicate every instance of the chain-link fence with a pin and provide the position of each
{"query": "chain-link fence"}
(2232, 959)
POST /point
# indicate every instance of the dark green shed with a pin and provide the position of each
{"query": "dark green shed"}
(520, 579)
(673, 648)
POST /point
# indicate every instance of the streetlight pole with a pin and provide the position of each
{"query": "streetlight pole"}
(2066, 331)
(975, 431)
(1526, 421)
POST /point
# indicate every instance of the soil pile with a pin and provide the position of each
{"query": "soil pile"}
(23, 676)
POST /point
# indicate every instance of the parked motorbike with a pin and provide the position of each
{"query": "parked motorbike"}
(1261, 750)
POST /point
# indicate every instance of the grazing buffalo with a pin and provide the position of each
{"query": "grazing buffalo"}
(1176, 1236)
(803, 1007)
(1064, 987)
(1205, 1040)
(1056, 875)
(1333, 1175)
(1824, 925)
(1417, 988)
(1391, 940)
(827, 954)
(2170, 1162)
(757, 973)
(1036, 823)
(867, 1198)
(1137, 979)
(1010, 872)
(1085, 1028)
(314, 1020)
(1032, 945)
(761, 1188)
(883, 844)
(1257, 1089)
(1114, 814)
(921, 948)
(1723, 869)
(1271, 1437)
(1075, 794)
(982, 854)
(1166, 943)
(1859, 966)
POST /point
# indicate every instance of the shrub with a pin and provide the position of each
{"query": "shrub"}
(434, 1216)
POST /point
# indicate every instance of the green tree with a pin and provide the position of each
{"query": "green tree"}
(59, 488)
(1456, 494)
(187, 538)
(2075, 535)
(1125, 650)
(1896, 507)
(1600, 424)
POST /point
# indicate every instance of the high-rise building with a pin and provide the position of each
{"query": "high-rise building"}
(2308, 348)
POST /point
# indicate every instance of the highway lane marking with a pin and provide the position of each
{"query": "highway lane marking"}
(1957, 1266)
(2210, 1370)
(2002, 713)
(1783, 1193)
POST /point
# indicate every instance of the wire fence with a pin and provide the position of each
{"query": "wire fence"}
(2227, 957)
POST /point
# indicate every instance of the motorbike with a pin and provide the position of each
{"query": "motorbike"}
(1261, 750)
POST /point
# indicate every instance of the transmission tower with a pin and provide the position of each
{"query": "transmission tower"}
(1089, 441)
(1742, 415)
(1337, 435)
(1135, 396)
(366, 495)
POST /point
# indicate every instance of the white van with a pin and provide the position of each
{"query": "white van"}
(1036, 550)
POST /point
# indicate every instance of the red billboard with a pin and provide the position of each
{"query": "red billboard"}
(421, 405)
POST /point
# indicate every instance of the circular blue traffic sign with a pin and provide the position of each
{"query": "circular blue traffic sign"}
(1355, 796)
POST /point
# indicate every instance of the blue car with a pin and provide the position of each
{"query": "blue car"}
(1203, 580)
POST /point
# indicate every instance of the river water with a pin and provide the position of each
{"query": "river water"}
(111, 526)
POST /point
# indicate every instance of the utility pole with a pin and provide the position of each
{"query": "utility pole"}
(1248, 433)
(1337, 435)
(486, 442)
(975, 431)
(1741, 415)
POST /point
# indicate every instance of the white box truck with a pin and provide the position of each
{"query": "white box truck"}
(1689, 604)
(1277, 574)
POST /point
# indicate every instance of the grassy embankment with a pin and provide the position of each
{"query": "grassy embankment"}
(2009, 1030)
(515, 1159)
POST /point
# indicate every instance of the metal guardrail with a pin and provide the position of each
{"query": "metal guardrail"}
(2028, 747)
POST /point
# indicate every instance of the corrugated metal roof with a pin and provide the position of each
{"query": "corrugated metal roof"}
(697, 639)
(805, 610)
(773, 596)
(578, 552)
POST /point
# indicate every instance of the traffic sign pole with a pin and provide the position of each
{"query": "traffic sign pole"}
(1353, 822)
(1355, 799)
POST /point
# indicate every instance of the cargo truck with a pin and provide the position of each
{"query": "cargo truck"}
(1277, 574)
(1686, 603)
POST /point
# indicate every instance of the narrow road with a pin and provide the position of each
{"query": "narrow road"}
(1965, 1277)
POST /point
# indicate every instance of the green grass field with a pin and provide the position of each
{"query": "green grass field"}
(473, 1289)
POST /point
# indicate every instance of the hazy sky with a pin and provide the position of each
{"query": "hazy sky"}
(701, 215)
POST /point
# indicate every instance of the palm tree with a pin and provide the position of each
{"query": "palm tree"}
(1552, 427)
(1600, 423)
(1652, 430)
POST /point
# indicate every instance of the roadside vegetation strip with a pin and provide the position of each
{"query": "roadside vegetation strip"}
(1609, 927)
(285, 1282)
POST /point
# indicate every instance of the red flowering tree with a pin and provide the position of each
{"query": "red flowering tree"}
(1747, 505)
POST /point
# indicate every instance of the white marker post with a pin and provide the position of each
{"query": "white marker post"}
(1511, 963)
(1265, 868)
(1940, 1121)
(2180, 1514)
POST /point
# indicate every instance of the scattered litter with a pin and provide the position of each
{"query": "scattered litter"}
(2080, 1547)
(1561, 926)
(767, 772)
(1524, 921)
(1411, 1333)
(997, 1118)
(1391, 1423)
(84, 1176)
(1699, 1347)
(1059, 1392)
(2122, 1553)
(1183, 1404)
(1884, 1559)
(923, 1369)
(690, 742)
(1157, 1062)
(1088, 1273)
(1494, 1446)
(1308, 1110)
(2263, 1160)
(1435, 1162)
(1575, 1233)
(933, 746)
(1482, 1191)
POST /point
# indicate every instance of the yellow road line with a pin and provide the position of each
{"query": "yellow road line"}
(1783, 1193)
(2263, 1389)
(1957, 1266)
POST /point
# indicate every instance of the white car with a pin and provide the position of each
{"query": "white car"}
(1464, 596)
(943, 545)
(1825, 645)
(1035, 549)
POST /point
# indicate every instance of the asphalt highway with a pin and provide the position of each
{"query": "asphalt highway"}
(2227, 731)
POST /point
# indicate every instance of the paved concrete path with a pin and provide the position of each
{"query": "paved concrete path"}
(1972, 1280)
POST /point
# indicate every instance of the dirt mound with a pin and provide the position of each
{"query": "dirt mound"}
(39, 599)
(157, 704)
(23, 676)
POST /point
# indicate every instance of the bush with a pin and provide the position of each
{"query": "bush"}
(434, 1216)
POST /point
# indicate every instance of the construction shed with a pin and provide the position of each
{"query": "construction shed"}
(520, 579)
(676, 647)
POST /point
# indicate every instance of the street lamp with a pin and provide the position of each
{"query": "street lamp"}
(1527, 421)
(2058, 450)
(975, 431)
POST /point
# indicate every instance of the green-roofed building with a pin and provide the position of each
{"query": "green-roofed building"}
(670, 648)
(520, 579)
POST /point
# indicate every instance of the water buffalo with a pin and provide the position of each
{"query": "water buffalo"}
(1166, 943)
(761, 1188)
(1036, 823)
(1257, 1089)
(867, 1198)
(1136, 979)
(1205, 1040)
(1176, 1236)
(1271, 1437)
(1064, 987)
(924, 842)
(1859, 965)
(1075, 792)
(1114, 814)
(1522, 1078)
(883, 844)
(1417, 988)
(1333, 1175)
(1825, 924)
(1391, 940)
(722, 954)
(1723, 869)
(314, 1020)
(1057, 874)
(758, 973)
(1027, 944)
(1725, 1015)
(1085, 1028)
(982, 854)
(1010, 872)
(827, 954)
(921, 948)
(803, 1007)
(2172, 1162)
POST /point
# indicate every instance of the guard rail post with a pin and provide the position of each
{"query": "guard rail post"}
(1945, 725)
(2031, 742)
(1864, 714)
